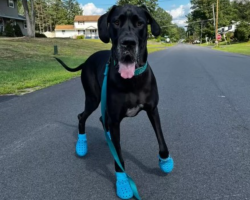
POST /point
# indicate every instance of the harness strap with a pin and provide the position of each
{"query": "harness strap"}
(110, 143)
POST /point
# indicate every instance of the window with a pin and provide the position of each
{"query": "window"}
(80, 23)
(25, 24)
(11, 3)
(63, 31)
(230, 27)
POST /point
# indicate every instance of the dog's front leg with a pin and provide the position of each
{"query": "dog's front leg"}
(165, 161)
(123, 188)
(114, 128)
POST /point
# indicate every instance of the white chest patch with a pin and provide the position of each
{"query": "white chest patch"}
(131, 112)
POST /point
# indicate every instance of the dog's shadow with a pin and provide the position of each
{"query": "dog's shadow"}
(99, 159)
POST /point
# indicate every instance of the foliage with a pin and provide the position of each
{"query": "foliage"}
(52, 12)
(242, 8)
(242, 31)
(230, 11)
(80, 37)
(164, 20)
(9, 30)
(18, 31)
(150, 4)
(40, 35)
(229, 37)
(73, 8)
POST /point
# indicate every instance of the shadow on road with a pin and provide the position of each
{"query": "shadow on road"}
(99, 159)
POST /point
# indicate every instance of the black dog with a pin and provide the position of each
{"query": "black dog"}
(127, 94)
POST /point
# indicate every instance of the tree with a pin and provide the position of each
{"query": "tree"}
(73, 8)
(181, 32)
(242, 31)
(30, 17)
(242, 8)
(164, 19)
(150, 4)
(202, 12)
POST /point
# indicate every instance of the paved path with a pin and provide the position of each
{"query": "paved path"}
(205, 113)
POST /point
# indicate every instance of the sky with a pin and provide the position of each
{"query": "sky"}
(177, 8)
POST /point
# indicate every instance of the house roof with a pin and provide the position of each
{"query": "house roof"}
(19, 17)
(87, 18)
(64, 27)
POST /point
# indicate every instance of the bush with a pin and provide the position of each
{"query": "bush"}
(9, 30)
(80, 37)
(17, 30)
(40, 35)
(229, 37)
(242, 31)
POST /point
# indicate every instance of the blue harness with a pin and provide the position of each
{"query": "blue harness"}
(103, 111)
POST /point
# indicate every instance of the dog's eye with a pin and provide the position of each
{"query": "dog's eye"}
(139, 24)
(117, 22)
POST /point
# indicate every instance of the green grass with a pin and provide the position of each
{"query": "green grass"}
(156, 46)
(241, 48)
(28, 64)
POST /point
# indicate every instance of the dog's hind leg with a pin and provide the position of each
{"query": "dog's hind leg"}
(166, 163)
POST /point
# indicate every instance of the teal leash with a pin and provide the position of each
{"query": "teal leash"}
(110, 143)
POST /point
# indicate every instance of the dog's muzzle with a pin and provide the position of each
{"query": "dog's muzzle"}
(127, 56)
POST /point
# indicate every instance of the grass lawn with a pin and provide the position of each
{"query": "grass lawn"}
(241, 48)
(28, 64)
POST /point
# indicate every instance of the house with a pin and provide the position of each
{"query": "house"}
(227, 29)
(83, 25)
(9, 14)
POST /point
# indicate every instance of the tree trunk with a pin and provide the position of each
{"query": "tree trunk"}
(33, 17)
(30, 19)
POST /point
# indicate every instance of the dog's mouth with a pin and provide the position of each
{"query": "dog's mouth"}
(126, 70)
(127, 62)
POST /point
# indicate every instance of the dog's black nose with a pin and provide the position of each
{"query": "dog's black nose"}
(128, 42)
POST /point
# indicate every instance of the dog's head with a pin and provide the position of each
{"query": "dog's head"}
(126, 26)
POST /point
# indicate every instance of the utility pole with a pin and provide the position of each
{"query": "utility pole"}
(214, 21)
(216, 28)
(201, 33)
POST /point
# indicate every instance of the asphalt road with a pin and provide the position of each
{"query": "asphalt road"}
(205, 113)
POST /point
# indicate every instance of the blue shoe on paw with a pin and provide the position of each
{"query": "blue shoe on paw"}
(123, 189)
(81, 145)
(166, 164)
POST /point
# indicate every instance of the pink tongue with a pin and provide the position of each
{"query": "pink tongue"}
(126, 70)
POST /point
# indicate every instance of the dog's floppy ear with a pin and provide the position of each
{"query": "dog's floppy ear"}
(155, 28)
(103, 23)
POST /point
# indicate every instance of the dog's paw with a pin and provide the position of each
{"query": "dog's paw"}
(166, 164)
(81, 145)
(123, 189)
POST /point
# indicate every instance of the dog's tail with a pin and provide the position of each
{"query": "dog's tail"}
(67, 68)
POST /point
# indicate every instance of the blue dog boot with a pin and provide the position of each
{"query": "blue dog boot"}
(123, 189)
(81, 145)
(166, 164)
